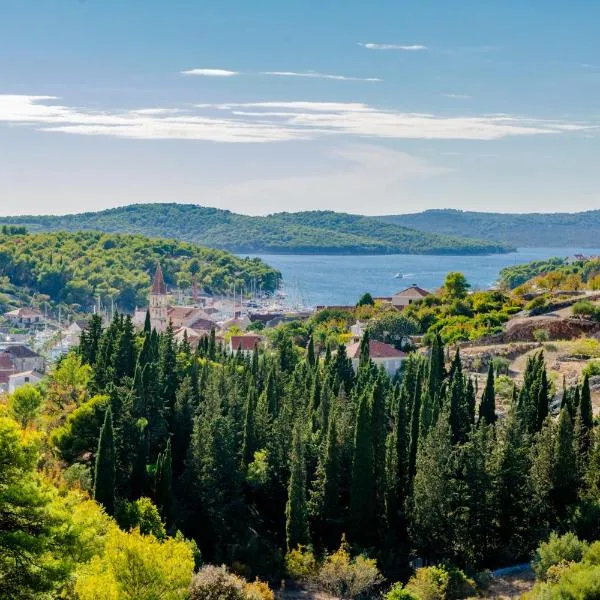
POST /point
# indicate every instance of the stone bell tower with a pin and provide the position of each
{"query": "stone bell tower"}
(158, 301)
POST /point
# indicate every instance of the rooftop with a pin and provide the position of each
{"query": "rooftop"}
(21, 352)
(376, 350)
(158, 283)
(413, 290)
(244, 342)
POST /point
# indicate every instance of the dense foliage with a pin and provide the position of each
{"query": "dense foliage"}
(79, 268)
(308, 232)
(457, 315)
(530, 230)
(253, 456)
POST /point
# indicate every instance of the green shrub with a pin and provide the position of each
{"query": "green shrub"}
(592, 368)
(399, 592)
(585, 348)
(558, 549)
(345, 577)
(537, 303)
(429, 583)
(459, 585)
(78, 476)
(301, 564)
(541, 335)
(141, 514)
(584, 308)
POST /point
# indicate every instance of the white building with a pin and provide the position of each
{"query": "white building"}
(380, 354)
(407, 296)
(20, 379)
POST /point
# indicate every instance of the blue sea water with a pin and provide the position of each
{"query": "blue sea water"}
(332, 279)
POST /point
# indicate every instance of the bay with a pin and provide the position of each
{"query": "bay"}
(312, 280)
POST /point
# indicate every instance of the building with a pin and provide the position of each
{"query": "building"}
(159, 301)
(244, 344)
(18, 380)
(381, 354)
(402, 299)
(24, 317)
(162, 312)
(6, 370)
(73, 332)
(23, 358)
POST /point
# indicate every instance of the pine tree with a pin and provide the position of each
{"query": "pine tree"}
(105, 477)
(487, 408)
(296, 522)
(163, 486)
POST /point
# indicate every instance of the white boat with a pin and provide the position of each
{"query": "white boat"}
(398, 276)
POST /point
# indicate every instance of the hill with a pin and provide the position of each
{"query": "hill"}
(555, 230)
(77, 268)
(305, 232)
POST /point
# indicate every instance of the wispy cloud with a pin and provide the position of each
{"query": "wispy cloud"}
(210, 72)
(405, 47)
(458, 96)
(316, 75)
(259, 122)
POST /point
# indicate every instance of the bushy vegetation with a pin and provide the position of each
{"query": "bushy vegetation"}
(457, 315)
(319, 231)
(80, 268)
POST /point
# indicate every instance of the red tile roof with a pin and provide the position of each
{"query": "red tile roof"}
(244, 342)
(376, 350)
(158, 283)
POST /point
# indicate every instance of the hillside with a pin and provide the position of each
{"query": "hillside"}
(556, 230)
(77, 268)
(307, 232)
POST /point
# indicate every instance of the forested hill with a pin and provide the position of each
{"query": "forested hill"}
(307, 232)
(556, 230)
(77, 268)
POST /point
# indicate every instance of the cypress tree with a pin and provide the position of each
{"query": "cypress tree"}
(363, 502)
(487, 408)
(183, 413)
(163, 488)
(167, 369)
(564, 473)
(249, 438)
(470, 401)
(296, 523)
(125, 355)
(139, 472)
(105, 476)
(379, 436)
(310, 352)
(147, 324)
(543, 399)
(414, 421)
(585, 405)
(458, 415)
(365, 355)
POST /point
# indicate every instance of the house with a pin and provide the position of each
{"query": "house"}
(357, 330)
(24, 358)
(241, 322)
(18, 380)
(193, 335)
(402, 299)
(73, 332)
(24, 317)
(6, 370)
(379, 353)
(244, 344)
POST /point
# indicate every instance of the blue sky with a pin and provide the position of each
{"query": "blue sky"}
(376, 107)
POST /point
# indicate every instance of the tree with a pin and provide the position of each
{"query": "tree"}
(455, 286)
(35, 552)
(564, 472)
(24, 404)
(137, 567)
(363, 503)
(365, 351)
(393, 327)
(296, 522)
(163, 488)
(105, 477)
(366, 300)
(487, 408)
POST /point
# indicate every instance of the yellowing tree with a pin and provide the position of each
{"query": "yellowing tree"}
(137, 567)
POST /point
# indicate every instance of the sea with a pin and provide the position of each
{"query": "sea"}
(311, 280)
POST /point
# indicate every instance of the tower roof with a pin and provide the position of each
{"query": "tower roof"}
(158, 283)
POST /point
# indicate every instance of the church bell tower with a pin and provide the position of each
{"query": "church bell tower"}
(158, 301)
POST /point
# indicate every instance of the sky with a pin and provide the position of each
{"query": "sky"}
(378, 107)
